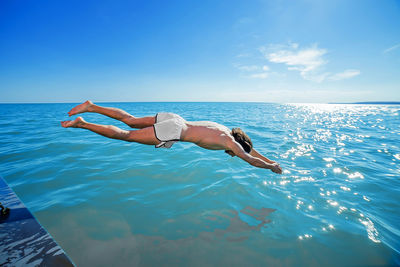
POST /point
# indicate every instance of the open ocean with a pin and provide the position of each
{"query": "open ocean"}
(112, 203)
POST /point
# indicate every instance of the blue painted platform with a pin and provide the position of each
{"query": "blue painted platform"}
(23, 241)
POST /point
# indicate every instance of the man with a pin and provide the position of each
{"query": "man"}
(164, 129)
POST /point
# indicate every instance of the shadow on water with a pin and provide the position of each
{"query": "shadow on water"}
(224, 237)
(237, 229)
(203, 237)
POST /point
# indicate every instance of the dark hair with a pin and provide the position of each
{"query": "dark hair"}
(243, 139)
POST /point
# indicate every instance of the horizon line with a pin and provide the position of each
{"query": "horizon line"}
(331, 103)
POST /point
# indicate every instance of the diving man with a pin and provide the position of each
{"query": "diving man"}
(165, 129)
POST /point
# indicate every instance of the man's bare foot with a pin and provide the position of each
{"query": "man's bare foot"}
(81, 108)
(77, 123)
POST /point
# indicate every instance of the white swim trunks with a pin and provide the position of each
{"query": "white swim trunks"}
(168, 128)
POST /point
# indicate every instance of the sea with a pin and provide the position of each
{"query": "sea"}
(113, 203)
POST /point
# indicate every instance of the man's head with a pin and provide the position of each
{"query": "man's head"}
(243, 139)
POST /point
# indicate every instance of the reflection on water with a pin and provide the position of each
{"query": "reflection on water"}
(346, 125)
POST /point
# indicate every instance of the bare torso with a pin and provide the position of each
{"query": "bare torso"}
(206, 134)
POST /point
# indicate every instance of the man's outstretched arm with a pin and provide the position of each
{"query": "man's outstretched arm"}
(255, 153)
(254, 161)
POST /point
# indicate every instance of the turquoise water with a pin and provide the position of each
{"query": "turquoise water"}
(112, 203)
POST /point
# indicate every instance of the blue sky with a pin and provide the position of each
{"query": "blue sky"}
(264, 51)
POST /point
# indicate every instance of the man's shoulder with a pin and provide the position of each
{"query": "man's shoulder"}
(229, 140)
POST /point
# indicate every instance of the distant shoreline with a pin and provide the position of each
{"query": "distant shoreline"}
(373, 103)
(343, 103)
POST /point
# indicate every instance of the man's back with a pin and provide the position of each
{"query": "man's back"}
(206, 134)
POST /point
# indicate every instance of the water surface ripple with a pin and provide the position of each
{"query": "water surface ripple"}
(110, 202)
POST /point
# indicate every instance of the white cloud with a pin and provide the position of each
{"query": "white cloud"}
(307, 61)
(303, 60)
(347, 74)
(254, 71)
(391, 48)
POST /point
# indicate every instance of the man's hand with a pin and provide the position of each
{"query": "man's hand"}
(276, 168)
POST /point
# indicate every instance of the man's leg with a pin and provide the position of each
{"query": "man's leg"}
(144, 136)
(114, 113)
